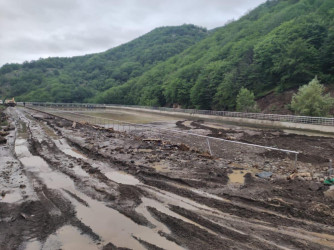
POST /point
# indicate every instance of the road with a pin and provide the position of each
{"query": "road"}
(74, 186)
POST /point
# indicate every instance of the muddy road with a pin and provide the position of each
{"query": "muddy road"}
(68, 185)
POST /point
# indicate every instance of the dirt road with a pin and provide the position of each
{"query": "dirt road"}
(66, 186)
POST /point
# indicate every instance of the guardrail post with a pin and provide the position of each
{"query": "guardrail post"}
(207, 140)
(296, 158)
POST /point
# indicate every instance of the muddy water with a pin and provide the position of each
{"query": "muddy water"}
(65, 238)
(132, 116)
(11, 197)
(106, 222)
(122, 177)
(112, 226)
(162, 207)
(237, 176)
(68, 238)
(67, 149)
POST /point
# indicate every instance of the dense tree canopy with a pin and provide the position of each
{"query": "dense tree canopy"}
(278, 46)
(78, 79)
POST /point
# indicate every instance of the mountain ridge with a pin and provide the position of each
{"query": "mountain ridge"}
(278, 46)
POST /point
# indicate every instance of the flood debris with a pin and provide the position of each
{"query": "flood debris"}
(90, 187)
(264, 175)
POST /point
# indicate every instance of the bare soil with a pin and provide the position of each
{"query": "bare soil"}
(68, 185)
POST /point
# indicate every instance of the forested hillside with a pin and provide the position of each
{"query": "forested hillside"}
(79, 78)
(278, 46)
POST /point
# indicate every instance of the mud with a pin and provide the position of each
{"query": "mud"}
(90, 187)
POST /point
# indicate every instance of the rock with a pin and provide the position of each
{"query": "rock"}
(4, 133)
(183, 147)
(300, 175)
(22, 186)
(264, 175)
(318, 175)
(314, 186)
(329, 194)
(3, 140)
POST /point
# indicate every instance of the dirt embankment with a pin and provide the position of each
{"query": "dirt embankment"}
(112, 190)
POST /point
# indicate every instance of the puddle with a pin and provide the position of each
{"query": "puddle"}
(114, 227)
(37, 165)
(171, 198)
(237, 176)
(32, 245)
(11, 197)
(68, 150)
(79, 171)
(21, 149)
(48, 130)
(212, 196)
(68, 238)
(146, 202)
(122, 177)
(131, 116)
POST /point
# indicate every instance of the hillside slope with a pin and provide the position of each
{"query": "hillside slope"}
(78, 78)
(276, 47)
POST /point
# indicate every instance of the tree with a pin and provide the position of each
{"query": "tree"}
(310, 100)
(245, 101)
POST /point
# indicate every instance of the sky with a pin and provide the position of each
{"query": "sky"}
(33, 29)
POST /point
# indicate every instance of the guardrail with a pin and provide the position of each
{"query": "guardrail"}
(326, 121)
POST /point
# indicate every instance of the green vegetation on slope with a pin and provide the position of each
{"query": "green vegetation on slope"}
(278, 46)
(311, 100)
(77, 79)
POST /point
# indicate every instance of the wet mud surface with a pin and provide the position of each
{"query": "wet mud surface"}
(77, 186)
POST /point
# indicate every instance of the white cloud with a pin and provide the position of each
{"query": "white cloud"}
(42, 28)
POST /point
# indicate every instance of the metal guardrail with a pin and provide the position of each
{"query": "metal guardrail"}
(326, 121)
(123, 126)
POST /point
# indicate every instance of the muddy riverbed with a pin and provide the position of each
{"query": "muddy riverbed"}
(68, 185)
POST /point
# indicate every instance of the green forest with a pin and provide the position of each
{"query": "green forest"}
(280, 45)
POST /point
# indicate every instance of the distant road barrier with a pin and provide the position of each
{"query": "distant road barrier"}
(326, 121)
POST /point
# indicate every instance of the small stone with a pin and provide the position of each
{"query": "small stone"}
(329, 193)
(315, 186)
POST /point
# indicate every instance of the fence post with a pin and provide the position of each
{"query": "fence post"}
(296, 157)
(207, 140)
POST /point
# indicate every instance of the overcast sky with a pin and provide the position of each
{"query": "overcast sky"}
(33, 29)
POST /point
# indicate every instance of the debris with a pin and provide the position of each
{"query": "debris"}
(8, 128)
(315, 186)
(183, 147)
(329, 193)
(24, 216)
(295, 175)
(3, 140)
(152, 139)
(205, 155)
(4, 133)
(264, 175)
(329, 181)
